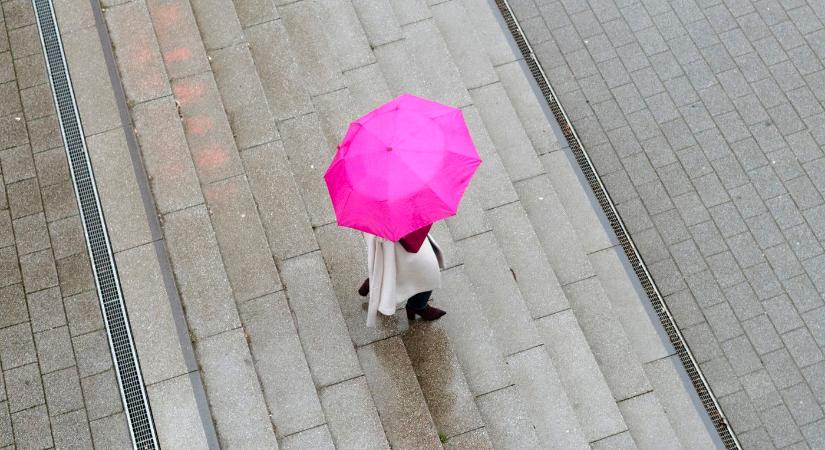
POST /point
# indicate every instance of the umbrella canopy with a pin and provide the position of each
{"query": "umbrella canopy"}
(404, 165)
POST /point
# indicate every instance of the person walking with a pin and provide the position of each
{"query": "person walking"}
(408, 270)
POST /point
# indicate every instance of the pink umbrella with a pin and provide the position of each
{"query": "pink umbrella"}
(404, 165)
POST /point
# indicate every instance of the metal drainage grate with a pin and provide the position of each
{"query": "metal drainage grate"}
(589, 171)
(133, 394)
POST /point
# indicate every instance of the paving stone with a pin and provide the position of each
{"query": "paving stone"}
(802, 293)
(279, 360)
(83, 312)
(762, 334)
(24, 198)
(351, 415)
(45, 133)
(235, 397)
(687, 257)
(6, 436)
(667, 276)
(723, 321)
(176, 415)
(243, 96)
(54, 349)
(532, 272)
(509, 137)
(398, 69)
(495, 187)
(780, 426)
(802, 347)
(741, 355)
(532, 114)
(802, 404)
(335, 113)
(39, 271)
(761, 390)
(684, 308)
(506, 421)
(814, 433)
(111, 432)
(205, 291)
(59, 201)
(75, 274)
(9, 266)
(31, 233)
(46, 310)
(763, 281)
(92, 353)
(328, 349)
(702, 342)
(37, 101)
(307, 152)
(740, 412)
(23, 386)
(784, 211)
(152, 320)
(6, 230)
(178, 36)
(31, 428)
(17, 164)
(378, 21)
(166, 157)
(52, 167)
(743, 301)
(101, 394)
(63, 392)
(13, 132)
(71, 430)
(218, 23)
(86, 64)
(705, 288)
(13, 304)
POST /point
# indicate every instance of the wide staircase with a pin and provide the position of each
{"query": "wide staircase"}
(546, 344)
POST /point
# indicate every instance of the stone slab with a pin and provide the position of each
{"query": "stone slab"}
(283, 215)
(246, 255)
(397, 395)
(235, 397)
(352, 418)
(243, 96)
(100, 394)
(314, 53)
(205, 126)
(71, 430)
(281, 77)
(111, 432)
(119, 192)
(438, 72)
(534, 115)
(532, 271)
(620, 366)
(506, 420)
(335, 113)
(368, 88)
(150, 315)
(341, 249)
(583, 380)
(348, 41)
(498, 294)
(491, 33)
(545, 401)
(178, 37)
(639, 322)
(204, 288)
(492, 179)
(136, 50)
(87, 68)
(554, 230)
(462, 41)
(686, 415)
(287, 383)
(648, 422)
(309, 154)
(321, 327)
(315, 438)
(175, 411)
(92, 353)
(166, 156)
(471, 440)
(398, 69)
(470, 334)
(378, 21)
(218, 23)
(31, 428)
(441, 378)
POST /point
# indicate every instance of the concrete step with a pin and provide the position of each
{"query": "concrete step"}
(508, 425)
(648, 423)
(351, 415)
(681, 404)
(544, 398)
(398, 397)
(580, 374)
(492, 36)
(450, 401)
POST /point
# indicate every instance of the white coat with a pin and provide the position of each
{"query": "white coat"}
(396, 274)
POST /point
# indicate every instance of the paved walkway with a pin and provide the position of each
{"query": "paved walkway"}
(705, 120)
(57, 384)
(241, 288)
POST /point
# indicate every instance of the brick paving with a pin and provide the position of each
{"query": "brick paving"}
(705, 120)
(57, 383)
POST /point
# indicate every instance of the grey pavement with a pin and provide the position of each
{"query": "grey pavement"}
(705, 121)
(57, 382)
(249, 330)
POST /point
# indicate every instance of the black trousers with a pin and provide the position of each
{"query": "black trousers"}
(419, 301)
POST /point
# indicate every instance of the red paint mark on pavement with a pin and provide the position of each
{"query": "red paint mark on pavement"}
(178, 54)
(186, 93)
(212, 158)
(167, 15)
(198, 124)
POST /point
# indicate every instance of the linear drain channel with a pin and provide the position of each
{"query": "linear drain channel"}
(132, 391)
(589, 171)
